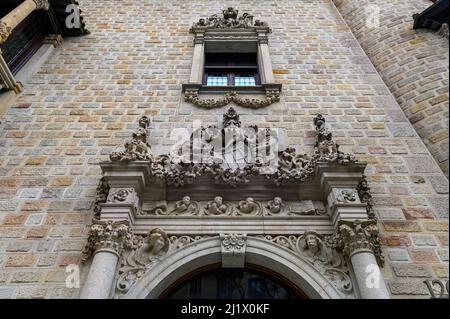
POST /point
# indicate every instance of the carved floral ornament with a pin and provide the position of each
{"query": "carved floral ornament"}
(178, 170)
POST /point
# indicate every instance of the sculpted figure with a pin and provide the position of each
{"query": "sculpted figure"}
(216, 207)
(275, 206)
(155, 245)
(249, 207)
(312, 247)
(185, 207)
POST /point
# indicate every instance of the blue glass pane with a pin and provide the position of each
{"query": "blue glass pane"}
(245, 81)
(217, 81)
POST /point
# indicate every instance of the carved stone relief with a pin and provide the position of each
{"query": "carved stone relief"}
(178, 171)
(320, 252)
(145, 253)
(229, 19)
(346, 195)
(247, 207)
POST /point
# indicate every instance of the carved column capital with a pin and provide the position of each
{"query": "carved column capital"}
(353, 236)
(107, 235)
(233, 250)
(42, 4)
(5, 31)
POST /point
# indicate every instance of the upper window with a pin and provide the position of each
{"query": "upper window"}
(231, 56)
(228, 69)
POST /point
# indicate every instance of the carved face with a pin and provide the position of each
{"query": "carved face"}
(186, 200)
(218, 200)
(157, 242)
(277, 201)
(312, 242)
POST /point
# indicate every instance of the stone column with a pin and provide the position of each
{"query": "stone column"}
(106, 241)
(16, 16)
(265, 64)
(198, 59)
(7, 79)
(359, 241)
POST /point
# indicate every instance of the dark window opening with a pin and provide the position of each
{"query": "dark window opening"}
(233, 284)
(24, 41)
(231, 69)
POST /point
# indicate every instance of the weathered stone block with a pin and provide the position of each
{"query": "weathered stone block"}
(409, 270)
(440, 205)
(418, 213)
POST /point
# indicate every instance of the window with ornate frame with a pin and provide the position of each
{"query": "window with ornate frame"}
(231, 56)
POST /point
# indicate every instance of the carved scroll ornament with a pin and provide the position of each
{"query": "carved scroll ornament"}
(319, 251)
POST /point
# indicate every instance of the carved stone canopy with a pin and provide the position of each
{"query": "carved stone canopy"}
(229, 19)
(206, 154)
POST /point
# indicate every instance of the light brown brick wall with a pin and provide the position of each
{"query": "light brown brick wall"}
(88, 98)
(413, 63)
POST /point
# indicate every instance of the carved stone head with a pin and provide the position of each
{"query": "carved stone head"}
(230, 13)
(312, 241)
(158, 242)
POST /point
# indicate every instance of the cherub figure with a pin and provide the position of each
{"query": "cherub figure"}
(185, 207)
(155, 245)
(275, 206)
(216, 207)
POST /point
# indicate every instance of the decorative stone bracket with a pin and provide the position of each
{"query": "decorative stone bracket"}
(233, 250)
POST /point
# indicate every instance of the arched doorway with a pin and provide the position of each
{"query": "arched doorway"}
(251, 282)
(199, 256)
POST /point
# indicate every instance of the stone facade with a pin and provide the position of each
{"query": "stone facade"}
(413, 63)
(91, 93)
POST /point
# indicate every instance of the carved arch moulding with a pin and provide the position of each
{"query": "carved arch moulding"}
(315, 206)
(228, 32)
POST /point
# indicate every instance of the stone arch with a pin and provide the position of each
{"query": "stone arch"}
(258, 252)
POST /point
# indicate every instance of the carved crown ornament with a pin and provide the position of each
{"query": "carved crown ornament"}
(201, 156)
(229, 19)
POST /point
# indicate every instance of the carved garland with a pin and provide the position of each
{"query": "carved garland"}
(272, 96)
